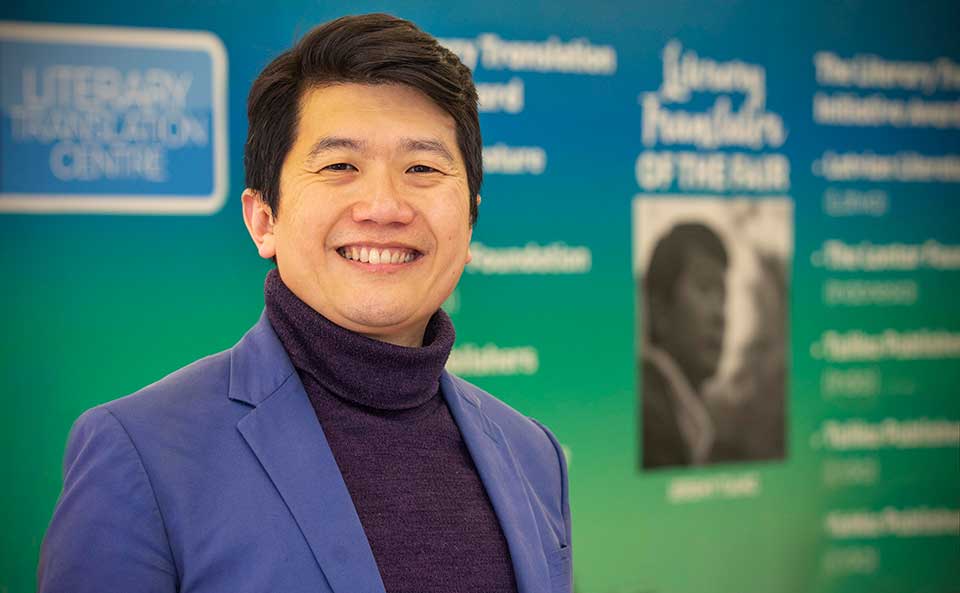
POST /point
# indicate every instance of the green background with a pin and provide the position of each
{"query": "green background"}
(96, 306)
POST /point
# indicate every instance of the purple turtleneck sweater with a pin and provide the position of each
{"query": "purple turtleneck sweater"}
(422, 505)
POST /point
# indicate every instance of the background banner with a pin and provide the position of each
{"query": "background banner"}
(781, 419)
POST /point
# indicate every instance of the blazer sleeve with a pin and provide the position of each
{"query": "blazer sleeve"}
(563, 484)
(561, 561)
(107, 534)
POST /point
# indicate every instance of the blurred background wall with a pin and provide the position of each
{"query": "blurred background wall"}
(819, 141)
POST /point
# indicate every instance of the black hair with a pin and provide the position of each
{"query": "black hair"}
(669, 256)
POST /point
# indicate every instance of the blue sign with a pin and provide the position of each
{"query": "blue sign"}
(112, 120)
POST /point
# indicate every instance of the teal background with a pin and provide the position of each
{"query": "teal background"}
(96, 306)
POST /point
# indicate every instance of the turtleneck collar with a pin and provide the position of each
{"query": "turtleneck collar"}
(356, 368)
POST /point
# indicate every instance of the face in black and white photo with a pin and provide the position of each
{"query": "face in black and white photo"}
(690, 324)
(687, 291)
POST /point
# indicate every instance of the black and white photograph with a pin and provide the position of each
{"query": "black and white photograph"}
(712, 292)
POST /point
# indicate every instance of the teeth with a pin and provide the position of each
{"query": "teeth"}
(374, 255)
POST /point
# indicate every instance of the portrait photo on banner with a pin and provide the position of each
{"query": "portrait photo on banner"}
(712, 286)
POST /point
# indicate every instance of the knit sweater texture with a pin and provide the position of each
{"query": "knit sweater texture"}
(422, 505)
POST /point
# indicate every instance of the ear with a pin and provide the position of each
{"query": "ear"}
(470, 234)
(260, 222)
(469, 241)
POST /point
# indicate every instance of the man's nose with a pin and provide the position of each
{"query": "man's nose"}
(383, 204)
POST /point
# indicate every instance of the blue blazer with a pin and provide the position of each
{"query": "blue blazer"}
(218, 478)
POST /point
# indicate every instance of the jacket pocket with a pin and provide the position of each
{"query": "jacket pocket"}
(561, 571)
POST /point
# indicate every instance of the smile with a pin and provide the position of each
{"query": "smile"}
(378, 255)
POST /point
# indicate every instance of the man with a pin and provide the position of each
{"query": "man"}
(329, 451)
(685, 293)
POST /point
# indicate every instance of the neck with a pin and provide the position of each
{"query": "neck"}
(368, 370)
(405, 339)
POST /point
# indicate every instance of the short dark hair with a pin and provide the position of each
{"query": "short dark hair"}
(366, 49)
(670, 254)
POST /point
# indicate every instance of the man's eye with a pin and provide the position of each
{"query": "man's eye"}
(421, 169)
(340, 167)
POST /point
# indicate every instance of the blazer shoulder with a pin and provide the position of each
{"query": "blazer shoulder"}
(524, 434)
(540, 457)
(196, 386)
(107, 529)
(188, 411)
(122, 462)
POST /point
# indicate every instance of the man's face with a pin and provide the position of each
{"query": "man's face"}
(694, 318)
(373, 225)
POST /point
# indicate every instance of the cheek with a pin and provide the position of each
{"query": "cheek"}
(453, 229)
(306, 228)
(686, 300)
(689, 317)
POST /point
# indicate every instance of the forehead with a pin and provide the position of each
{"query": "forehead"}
(700, 263)
(380, 112)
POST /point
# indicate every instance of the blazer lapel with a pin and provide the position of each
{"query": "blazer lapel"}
(283, 432)
(504, 485)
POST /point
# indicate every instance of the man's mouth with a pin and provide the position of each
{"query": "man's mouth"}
(378, 255)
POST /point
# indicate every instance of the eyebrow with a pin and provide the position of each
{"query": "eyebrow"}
(427, 145)
(331, 143)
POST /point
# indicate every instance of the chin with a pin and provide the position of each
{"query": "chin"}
(379, 315)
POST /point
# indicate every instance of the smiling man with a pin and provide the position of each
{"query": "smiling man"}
(685, 288)
(374, 226)
(329, 451)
